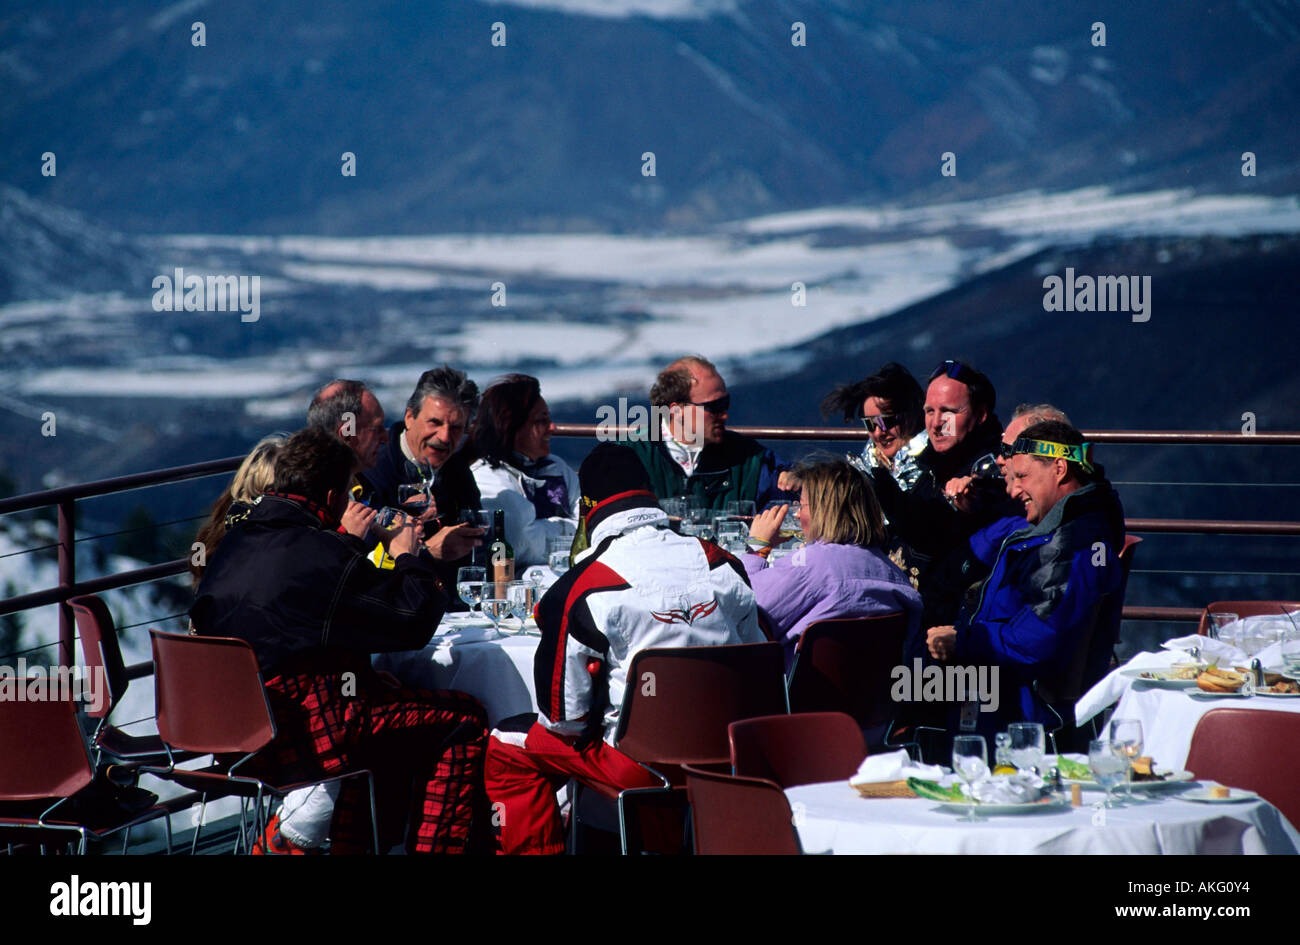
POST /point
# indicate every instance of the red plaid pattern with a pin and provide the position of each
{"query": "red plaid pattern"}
(424, 748)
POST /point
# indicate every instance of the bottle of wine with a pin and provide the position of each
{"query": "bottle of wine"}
(501, 557)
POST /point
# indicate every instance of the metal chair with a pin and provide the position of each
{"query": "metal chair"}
(210, 699)
(45, 760)
(733, 815)
(803, 748)
(1245, 608)
(1250, 748)
(846, 665)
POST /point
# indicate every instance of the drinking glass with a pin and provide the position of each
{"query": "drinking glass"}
(496, 609)
(1291, 654)
(675, 509)
(970, 760)
(729, 530)
(557, 554)
(469, 585)
(1028, 743)
(414, 493)
(1218, 623)
(741, 510)
(1127, 734)
(1109, 765)
(523, 598)
(790, 527)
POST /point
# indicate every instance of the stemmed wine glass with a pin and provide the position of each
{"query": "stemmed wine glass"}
(970, 759)
(1109, 764)
(469, 585)
(1028, 744)
(1127, 734)
(496, 609)
(523, 598)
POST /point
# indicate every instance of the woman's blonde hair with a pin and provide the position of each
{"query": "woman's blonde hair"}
(842, 506)
(255, 475)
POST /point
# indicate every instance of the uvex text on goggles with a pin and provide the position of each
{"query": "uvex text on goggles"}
(1081, 453)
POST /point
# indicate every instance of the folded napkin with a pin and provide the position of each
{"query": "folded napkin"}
(1008, 789)
(894, 766)
(471, 634)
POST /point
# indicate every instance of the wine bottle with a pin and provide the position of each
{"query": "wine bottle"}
(501, 556)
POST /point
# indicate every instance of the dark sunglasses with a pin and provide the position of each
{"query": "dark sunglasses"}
(716, 407)
(955, 370)
(883, 422)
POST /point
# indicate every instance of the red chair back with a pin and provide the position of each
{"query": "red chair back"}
(845, 665)
(42, 752)
(697, 692)
(1128, 553)
(100, 650)
(208, 694)
(733, 815)
(1245, 608)
(1251, 749)
(806, 748)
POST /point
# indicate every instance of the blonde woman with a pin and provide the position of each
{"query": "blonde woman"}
(253, 477)
(842, 570)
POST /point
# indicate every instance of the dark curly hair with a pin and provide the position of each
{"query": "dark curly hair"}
(893, 383)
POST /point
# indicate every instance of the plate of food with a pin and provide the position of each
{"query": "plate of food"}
(1178, 676)
(1220, 683)
(1218, 794)
(1147, 776)
(954, 799)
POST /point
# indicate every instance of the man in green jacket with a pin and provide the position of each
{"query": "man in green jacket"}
(693, 453)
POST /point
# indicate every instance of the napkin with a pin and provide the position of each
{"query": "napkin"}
(466, 635)
(1212, 650)
(1011, 789)
(894, 766)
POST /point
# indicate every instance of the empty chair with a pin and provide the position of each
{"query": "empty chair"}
(45, 772)
(845, 665)
(804, 748)
(736, 815)
(1251, 749)
(210, 700)
(1245, 608)
(103, 658)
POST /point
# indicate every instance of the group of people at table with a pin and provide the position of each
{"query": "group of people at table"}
(999, 544)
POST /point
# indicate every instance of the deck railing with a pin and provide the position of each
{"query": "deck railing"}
(64, 499)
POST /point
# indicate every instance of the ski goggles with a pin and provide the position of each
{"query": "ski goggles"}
(1080, 453)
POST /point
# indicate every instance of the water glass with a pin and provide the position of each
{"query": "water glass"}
(523, 598)
(469, 585)
(970, 760)
(1028, 744)
(741, 511)
(1219, 624)
(1109, 764)
(1127, 734)
(728, 530)
(496, 609)
(1291, 654)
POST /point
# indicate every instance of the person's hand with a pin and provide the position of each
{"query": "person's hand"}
(787, 481)
(767, 523)
(357, 519)
(454, 541)
(960, 493)
(942, 641)
(403, 539)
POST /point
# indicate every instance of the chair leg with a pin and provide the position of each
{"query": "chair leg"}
(203, 808)
(126, 839)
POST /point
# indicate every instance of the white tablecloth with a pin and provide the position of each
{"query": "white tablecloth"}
(499, 673)
(1169, 717)
(832, 818)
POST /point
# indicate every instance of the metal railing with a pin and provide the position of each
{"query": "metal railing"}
(65, 498)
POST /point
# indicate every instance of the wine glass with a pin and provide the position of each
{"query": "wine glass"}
(1028, 743)
(1127, 734)
(742, 510)
(790, 527)
(469, 585)
(675, 509)
(970, 760)
(1109, 765)
(496, 609)
(523, 598)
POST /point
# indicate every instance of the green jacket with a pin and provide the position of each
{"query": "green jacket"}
(735, 469)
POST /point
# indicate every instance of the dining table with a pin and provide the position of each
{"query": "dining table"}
(832, 817)
(468, 655)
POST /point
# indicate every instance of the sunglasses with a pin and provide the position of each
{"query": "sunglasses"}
(882, 422)
(955, 370)
(716, 407)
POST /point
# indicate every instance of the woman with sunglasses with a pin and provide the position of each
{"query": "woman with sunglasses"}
(889, 404)
(842, 570)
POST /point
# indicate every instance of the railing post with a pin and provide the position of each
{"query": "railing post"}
(67, 578)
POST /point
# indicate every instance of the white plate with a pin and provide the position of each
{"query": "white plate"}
(1202, 694)
(1049, 803)
(1136, 676)
(1202, 796)
(1171, 778)
(1277, 695)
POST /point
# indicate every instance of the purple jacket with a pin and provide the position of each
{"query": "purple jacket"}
(821, 581)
